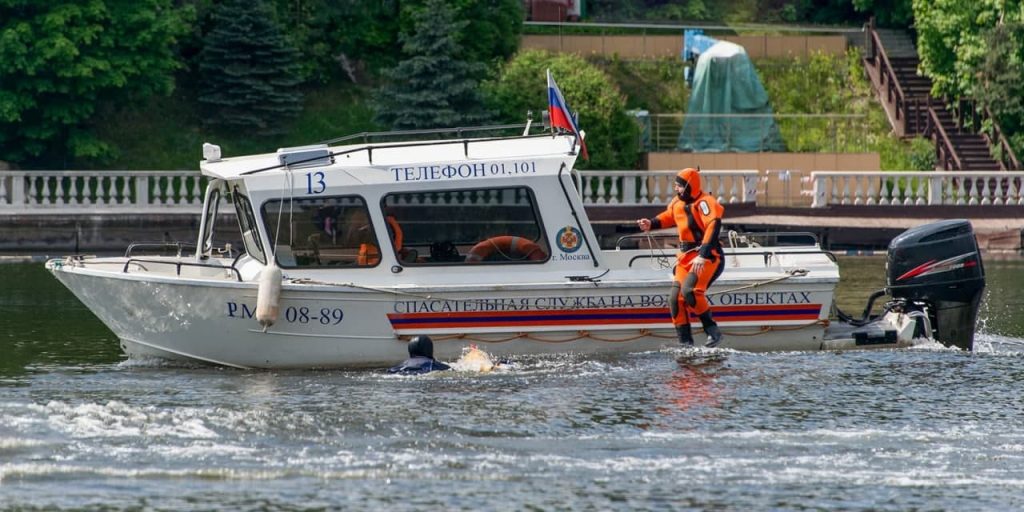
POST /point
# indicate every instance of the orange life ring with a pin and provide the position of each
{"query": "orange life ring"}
(513, 248)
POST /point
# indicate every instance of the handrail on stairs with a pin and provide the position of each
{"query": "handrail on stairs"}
(943, 144)
(969, 115)
(887, 73)
(1008, 158)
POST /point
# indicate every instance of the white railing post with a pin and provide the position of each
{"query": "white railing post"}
(749, 188)
(142, 191)
(818, 186)
(629, 190)
(18, 185)
(935, 188)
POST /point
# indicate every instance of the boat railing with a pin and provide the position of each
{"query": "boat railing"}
(733, 239)
(161, 246)
(635, 188)
(370, 148)
(768, 255)
(458, 133)
(178, 264)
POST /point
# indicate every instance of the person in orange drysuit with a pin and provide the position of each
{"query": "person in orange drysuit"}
(698, 217)
(369, 255)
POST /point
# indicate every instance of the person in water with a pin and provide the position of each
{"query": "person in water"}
(698, 217)
(421, 358)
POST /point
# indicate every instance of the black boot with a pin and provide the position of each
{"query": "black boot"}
(685, 335)
(711, 329)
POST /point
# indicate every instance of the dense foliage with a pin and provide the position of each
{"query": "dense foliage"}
(974, 50)
(250, 71)
(655, 85)
(490, 28)
(852, 120)
(611, 133)
(61, 57)
(81, 76)
(357, 39)
(1001, 80)
(432, 87)
(349, 38)
(887, 13)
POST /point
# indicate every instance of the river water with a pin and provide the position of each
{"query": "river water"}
(81, 428)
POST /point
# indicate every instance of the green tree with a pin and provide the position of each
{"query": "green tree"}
(342, 38)
(887, 13)
(351, 36)
(492, 34)
(250, 72)
(1001, 80)
(63, 56)
(611, 134)
(974, 50)
(433, 87)
(951, 39)
(491, 28)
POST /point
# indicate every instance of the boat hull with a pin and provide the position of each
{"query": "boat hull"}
(213, 321)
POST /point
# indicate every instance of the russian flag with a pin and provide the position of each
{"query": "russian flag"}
(560, 116)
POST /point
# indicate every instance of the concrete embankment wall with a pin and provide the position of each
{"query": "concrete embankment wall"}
(59, 234)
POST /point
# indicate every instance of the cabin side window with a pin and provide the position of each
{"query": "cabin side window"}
(466, 227)
(247, 225)
(321, 232)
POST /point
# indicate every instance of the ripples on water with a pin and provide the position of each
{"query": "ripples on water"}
(926, 428)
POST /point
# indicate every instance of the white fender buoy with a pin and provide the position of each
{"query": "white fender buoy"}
(268, 296)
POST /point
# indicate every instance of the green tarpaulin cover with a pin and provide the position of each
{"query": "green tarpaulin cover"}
(729, 109)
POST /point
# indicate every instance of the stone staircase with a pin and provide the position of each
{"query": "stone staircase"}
(917, 113)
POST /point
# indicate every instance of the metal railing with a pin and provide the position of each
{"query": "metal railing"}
(766, 28)
(101, 191)
(908, 188)
(971, 116)
(634, 188)
(800, 133)
(946, 155)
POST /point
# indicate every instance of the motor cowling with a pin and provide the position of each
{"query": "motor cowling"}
(939, 265)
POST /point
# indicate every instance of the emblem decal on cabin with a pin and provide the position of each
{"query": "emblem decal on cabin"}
(569, 239)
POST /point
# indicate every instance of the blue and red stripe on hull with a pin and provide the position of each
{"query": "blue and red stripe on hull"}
(579, 318)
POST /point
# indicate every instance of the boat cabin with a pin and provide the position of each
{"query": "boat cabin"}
(386, 208)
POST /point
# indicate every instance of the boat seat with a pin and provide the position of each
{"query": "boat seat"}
(285, 256)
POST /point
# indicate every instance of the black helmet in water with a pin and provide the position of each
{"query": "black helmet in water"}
(421, 346)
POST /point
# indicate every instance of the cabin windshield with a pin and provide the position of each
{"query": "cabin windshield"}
(466, 227)
(321, 232)
(247, 225)
(210, 220)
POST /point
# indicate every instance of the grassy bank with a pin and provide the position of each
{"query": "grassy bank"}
(820, 85)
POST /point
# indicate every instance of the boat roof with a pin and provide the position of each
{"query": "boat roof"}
(430, 156)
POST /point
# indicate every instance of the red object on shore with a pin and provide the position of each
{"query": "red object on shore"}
(551, 10)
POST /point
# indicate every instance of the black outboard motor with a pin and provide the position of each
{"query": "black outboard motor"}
(938, 267)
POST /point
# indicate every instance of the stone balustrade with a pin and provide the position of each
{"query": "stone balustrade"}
(912, 188)
(631, 188)
(130, 192)
(101, 192)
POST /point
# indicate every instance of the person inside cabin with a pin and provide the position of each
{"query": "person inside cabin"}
(421, 358)
(326, 220)
(359, 233)
(697, 216)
